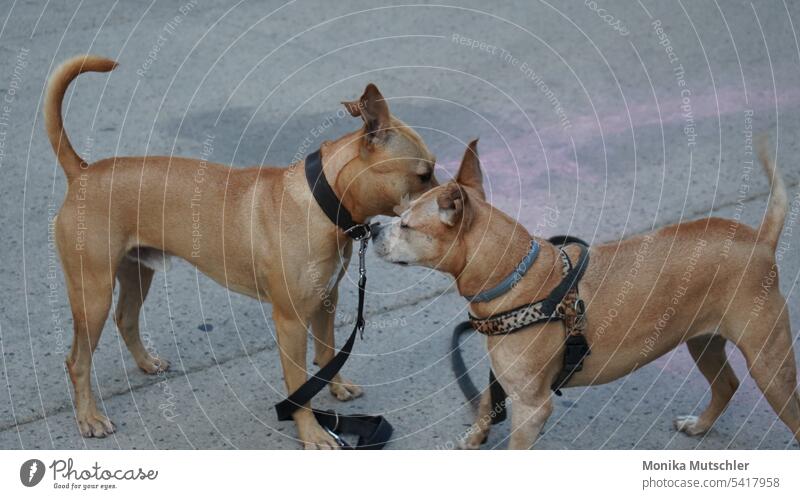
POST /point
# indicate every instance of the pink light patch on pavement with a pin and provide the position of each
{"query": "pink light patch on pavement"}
(530, 176)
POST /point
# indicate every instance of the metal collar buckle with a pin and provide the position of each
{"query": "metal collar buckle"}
(359, 232)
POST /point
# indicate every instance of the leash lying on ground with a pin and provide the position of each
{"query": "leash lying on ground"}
(563, 303)
(373, 431)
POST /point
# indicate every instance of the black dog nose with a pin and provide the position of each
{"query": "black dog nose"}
(375, 229)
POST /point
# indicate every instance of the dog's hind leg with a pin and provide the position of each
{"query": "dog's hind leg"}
(712, 361)
(322, 326)
(134, 283)
(90, 289)
(767, 347)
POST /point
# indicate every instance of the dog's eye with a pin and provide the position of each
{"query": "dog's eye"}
(426, 177)
(403, 225)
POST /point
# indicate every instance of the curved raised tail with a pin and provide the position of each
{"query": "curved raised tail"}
(59, 81)
(772, 225)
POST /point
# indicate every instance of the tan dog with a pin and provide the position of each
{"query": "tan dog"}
(703, 282)
(263, 235)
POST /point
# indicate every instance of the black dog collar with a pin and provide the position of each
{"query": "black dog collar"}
(329, 202)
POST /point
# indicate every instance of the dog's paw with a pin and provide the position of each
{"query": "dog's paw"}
(345, 390)
(315, 437)
(152, 365)
(95, 424)
(690, 425)
(473, 440)
(469, 443)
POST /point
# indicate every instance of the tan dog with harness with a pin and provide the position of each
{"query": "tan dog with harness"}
(263, 235)
(696, 282)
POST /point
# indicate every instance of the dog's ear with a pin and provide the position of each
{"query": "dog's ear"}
(470, 174)
(451, 201)
(374, 110)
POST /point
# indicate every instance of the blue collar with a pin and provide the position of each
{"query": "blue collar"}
(511, 280)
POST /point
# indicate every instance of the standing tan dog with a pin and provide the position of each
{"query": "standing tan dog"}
(261, 234)
(704, 282)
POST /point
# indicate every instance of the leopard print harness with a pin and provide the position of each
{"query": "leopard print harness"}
(563, 303)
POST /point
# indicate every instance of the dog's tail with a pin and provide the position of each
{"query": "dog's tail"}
(772, 225)
(59, 81)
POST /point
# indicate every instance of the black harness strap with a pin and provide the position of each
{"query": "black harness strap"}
(576, 346)
(567, 283)
(498, 397)
(373, 431)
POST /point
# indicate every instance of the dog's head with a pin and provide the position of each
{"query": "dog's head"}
(386, 161)
(432, 230)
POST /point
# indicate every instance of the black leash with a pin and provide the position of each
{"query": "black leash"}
(373, 431)
(576, 347)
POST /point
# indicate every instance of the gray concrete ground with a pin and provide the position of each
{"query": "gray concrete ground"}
(582, 108)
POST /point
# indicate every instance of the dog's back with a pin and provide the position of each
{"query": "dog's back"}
(658, 289)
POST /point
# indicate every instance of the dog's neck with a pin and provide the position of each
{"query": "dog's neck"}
(495, 245)
(340, 163)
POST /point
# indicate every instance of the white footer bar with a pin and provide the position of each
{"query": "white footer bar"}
(382, 474)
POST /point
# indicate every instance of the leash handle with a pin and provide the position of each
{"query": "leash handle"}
(300, 397)
(373, 431)
(323, 377)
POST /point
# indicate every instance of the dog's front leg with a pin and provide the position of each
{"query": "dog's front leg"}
(527, 419)
(322, 325)
(479, 431)
(292, 343)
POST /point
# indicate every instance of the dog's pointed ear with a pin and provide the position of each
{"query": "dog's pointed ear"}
(374, 110)
(451, 202)
(470, 174)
